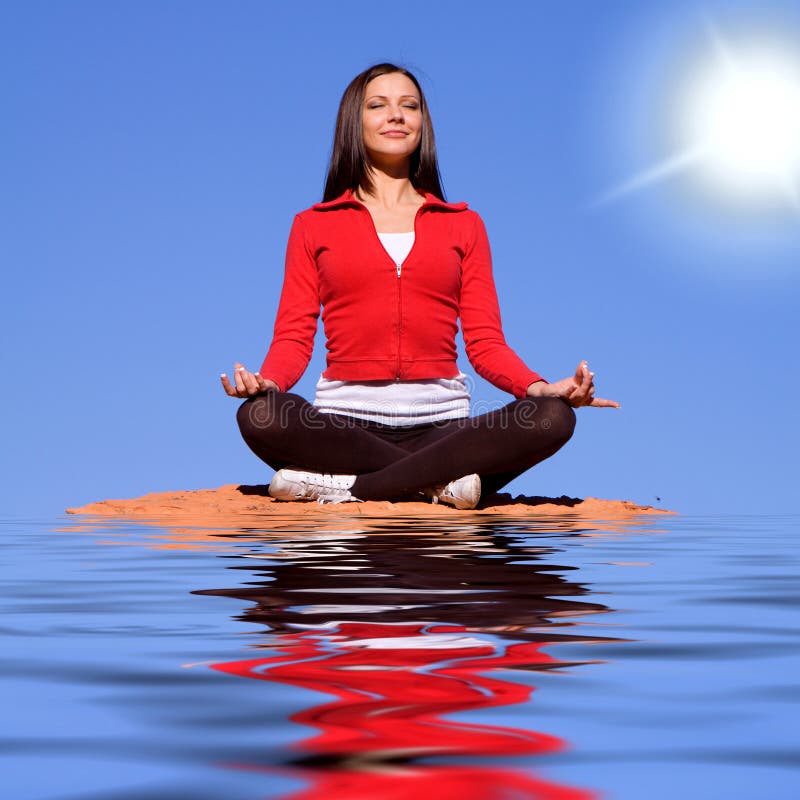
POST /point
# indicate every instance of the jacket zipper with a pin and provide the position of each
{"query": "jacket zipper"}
(399, 320)
(398, 268)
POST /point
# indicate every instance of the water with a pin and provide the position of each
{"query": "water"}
(470, 658)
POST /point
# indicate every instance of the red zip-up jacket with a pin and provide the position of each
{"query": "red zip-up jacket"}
(382, 323)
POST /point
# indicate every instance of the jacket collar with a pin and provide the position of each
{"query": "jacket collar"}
(347, 198)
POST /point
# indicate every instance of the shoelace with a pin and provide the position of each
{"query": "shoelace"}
(322, 484)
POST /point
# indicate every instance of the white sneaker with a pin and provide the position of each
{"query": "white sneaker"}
(295, 484)
(461, 493)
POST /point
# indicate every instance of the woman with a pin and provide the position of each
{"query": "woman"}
(394, 267)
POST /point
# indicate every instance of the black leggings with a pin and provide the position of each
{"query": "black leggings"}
(394, 463)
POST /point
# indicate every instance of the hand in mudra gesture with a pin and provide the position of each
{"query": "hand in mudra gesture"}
(577, 390)
(245, 383)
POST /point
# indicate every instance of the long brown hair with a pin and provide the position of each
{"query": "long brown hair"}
(350, 164)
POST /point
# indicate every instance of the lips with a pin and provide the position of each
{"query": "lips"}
(394, 133)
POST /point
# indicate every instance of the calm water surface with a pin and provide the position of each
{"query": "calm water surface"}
(470, 658)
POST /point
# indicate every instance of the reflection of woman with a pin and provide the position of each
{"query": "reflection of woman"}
(394, 267)
(485, 582)
(426, 628)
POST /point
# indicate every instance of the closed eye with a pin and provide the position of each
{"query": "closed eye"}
(412, 106)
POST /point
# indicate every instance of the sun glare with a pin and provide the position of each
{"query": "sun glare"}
(743, 115)
(736, 127)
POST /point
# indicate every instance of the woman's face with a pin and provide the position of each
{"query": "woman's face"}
(391, 118)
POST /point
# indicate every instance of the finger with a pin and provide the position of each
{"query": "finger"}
(262, 384)
(600, 402)
(250, 382)
(226, 385)
(238, 371)
(581, 394)
(569, 392)
(572, 397)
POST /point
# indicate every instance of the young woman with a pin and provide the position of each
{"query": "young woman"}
(394, 268)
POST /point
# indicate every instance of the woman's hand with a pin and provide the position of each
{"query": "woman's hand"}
(246, 384)
(577, 390)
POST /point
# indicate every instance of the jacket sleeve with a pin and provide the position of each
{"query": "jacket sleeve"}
(486, 346)
(298, 311)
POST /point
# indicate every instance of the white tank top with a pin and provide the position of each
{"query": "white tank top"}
(396, 402)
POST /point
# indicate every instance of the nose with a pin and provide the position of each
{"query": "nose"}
(396, 113)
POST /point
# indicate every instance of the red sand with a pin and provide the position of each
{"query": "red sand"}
(218, 506)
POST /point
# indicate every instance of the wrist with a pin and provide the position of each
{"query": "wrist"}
(535, 388)
(271, 383)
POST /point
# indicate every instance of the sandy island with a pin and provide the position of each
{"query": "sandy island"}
(219, 505)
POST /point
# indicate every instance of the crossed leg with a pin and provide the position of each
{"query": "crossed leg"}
(283, 429)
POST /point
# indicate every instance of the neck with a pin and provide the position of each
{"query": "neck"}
(389, 190)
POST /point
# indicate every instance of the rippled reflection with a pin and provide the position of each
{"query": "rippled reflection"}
(109, 694)
(418, 639)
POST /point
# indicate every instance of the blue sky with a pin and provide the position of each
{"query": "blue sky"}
(154, 154)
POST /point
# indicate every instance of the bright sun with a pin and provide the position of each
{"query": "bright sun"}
(742, 116)
(738, 126)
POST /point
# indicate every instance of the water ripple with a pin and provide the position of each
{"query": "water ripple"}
(502, 658)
